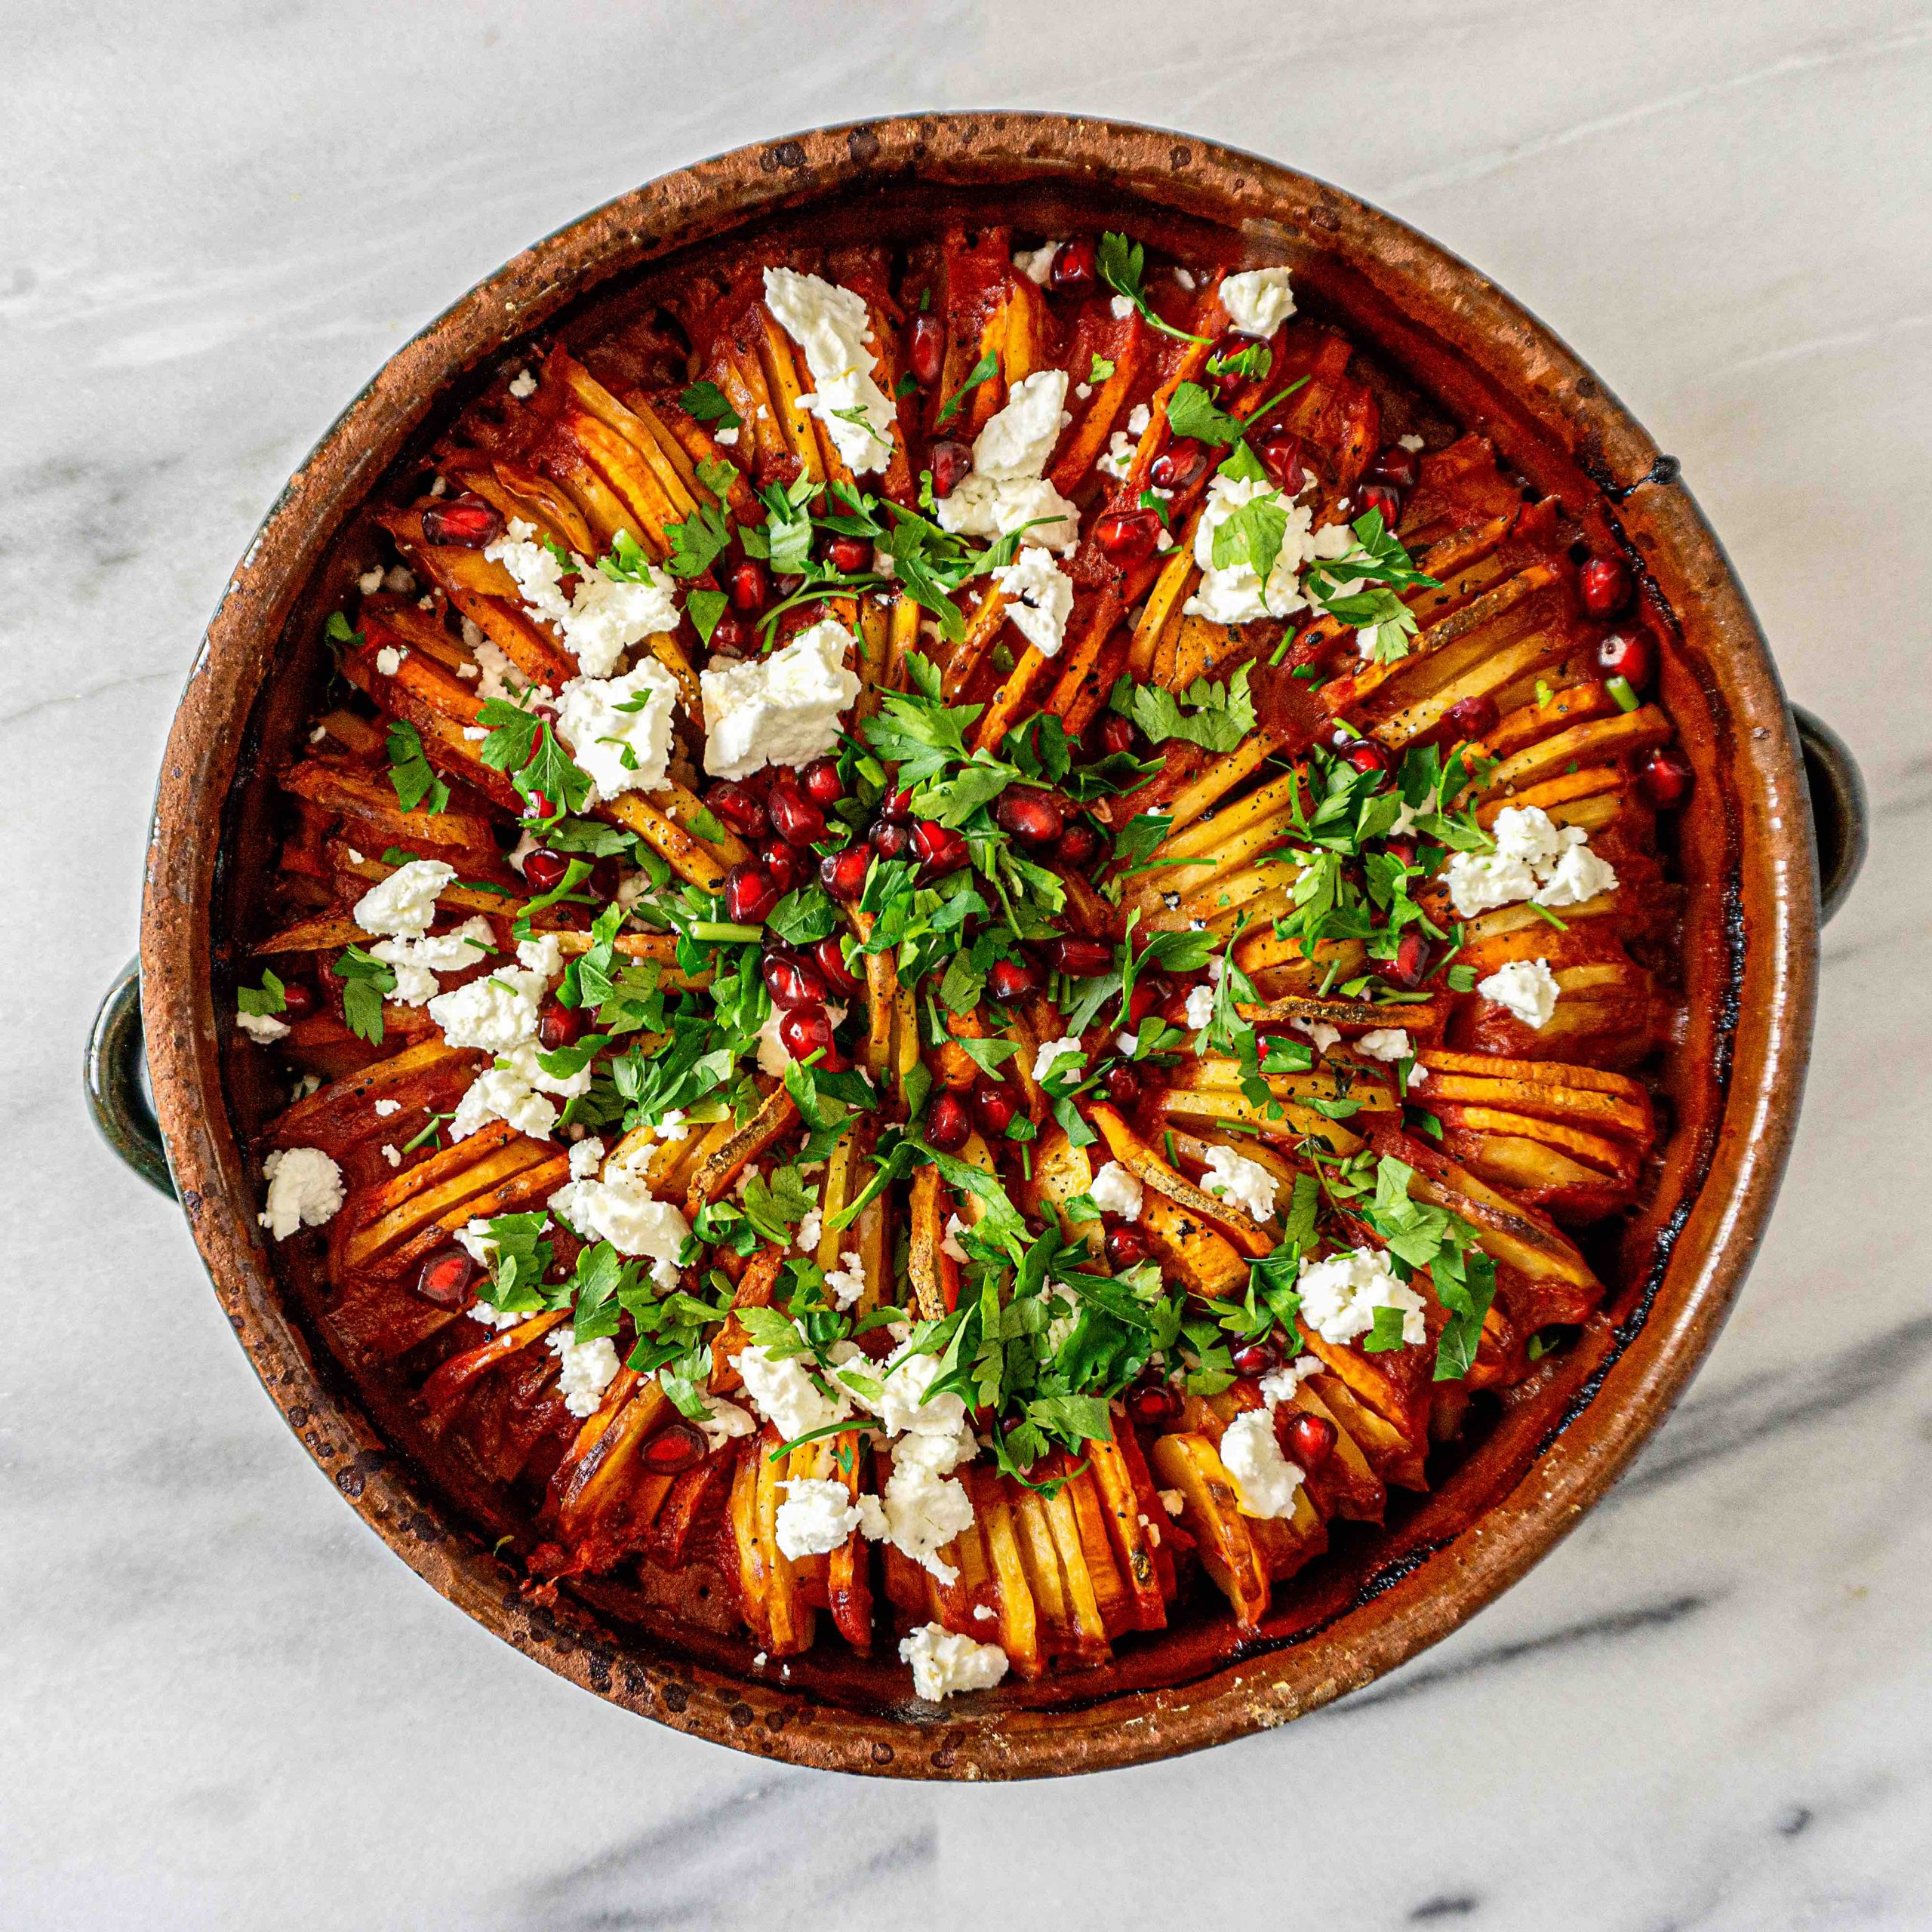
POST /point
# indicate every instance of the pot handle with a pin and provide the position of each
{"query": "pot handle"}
(1840, 817)
(112, 1075)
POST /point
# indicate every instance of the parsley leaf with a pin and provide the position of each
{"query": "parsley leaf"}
(707, 403)
(266, 999)
(1123, 264)
(364, 982)
(410, 771)
(1223, 714)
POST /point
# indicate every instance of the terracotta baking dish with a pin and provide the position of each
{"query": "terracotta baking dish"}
(1733, 1082)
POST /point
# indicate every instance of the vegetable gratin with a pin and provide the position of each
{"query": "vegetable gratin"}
(969, 935)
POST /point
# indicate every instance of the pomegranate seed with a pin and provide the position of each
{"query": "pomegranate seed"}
(947, 1124)
(794, 817)
(1179, 466)
(1033, 818)
(1403, 849)
(1307, 1440)
(1400, 469)
(1667, 778)
(896, 807)
(995, 1108)
(1147, 995)
(750, 892)
(1123, 1086)
(927, 350)
(792, 982)
(465, 521)
(1081, 958)
(678, 1446)
(1365, 755)
(1076, 264)
(830, 956)
(749, 586)
(806, 1030)
(545, 869)
(296, 1000)
(843, 875)
(938, 847)
(822, 782)
(730, 637)
(1380, 496)
(890, 840)
(1150, 1403)
(558, 1025)
(1117, 734)
(1258, 1357)
(1627, 654)
(1126, 537)
(952, 463)
(1471, 717)
(1604, 585)
(446, 1276)
(1011, 979)
(1410, 967)
(1078, 845)
(743, 811)
(1280, 451)
(536, 805)
(848, 555)
(1127, 1247)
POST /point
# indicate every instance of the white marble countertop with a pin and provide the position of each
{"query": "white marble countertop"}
(223, 1703)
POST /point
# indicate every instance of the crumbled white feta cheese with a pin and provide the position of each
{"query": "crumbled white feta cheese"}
(370, 581)
(388, 660)
(1534, 858)
(305, 1190)
(1386, 1042)
(402, 905)
(724, 1422)
(1340, 1294)
(949, 1239)
(385, 1108)
(508, 1091)
(262, 1027)
(618, 730)
(1019, 438)
(497, 1319)
(816, 1516)
(783, 1392)
(1083, 390)
(1526, 987)
(944, 1661)
(1279, 1384)
(1259, 301)
(399, 581)
(810, 1228)
(1200, 1007)
(1186, 280)
(1172, 1501)
(1115, 1191)
(1119, 308)
(981, 507)
(621, 1209)
(587, 1157)
(1117, 459)
(584, 1369)
(1247, 1183)
(1138, 418)
(1039, 599)
(494, 1015)
(417, 961)
(603, 617)
(391, 1155)
(1265, 1481)
(725, 437)
(523, 384)
(1233, 593)
(1036, 264)
(1412, 444)
(831, 324)
(1065, 1049)
(781, 709)
(847, 1282)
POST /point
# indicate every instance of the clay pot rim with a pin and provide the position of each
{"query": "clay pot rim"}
(1715, 1232)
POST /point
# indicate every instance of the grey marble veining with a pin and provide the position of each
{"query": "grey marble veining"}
(223, 1704)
